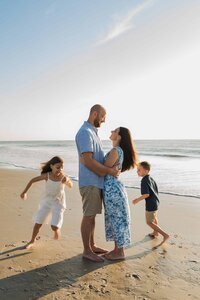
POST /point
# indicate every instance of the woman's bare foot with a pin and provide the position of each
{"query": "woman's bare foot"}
(98, 250)
(114, 255)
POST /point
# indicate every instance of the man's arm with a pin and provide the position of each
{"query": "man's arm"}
(97, 167)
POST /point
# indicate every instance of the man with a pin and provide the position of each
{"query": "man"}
(91, 178)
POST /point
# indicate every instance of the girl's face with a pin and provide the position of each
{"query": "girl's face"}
(115, 135)
(57, 168)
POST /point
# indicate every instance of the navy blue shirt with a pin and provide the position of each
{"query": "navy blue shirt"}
(149, 186)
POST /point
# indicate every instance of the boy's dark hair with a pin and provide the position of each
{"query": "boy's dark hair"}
(46, 167)
(146, 165)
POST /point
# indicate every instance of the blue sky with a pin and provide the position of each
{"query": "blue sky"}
(140, 59)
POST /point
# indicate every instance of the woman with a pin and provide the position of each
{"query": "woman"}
(117, 213)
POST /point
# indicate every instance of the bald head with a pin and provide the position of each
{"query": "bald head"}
(97, 115)
(97, 108)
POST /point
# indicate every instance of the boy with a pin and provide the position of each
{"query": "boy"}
(149, 192)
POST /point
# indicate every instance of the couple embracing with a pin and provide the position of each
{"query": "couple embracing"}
(99, 182)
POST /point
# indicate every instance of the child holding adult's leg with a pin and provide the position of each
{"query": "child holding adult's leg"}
(54, 199)
(149, 192)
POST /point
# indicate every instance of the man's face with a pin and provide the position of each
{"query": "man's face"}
(100, 118)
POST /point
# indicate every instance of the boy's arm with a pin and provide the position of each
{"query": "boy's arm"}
(33, 180)
(142, 197)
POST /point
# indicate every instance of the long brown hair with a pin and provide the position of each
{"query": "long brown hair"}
(128, 147)
(46, 167)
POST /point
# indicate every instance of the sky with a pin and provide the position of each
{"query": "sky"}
(139, 59)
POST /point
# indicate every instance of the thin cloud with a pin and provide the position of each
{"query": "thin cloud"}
(125, 23)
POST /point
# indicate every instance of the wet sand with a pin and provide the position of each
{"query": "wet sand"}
(55, 269)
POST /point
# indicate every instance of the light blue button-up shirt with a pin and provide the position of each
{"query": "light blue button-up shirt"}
(87, 140)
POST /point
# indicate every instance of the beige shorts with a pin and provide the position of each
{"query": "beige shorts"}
(92, 200)
(151, 216)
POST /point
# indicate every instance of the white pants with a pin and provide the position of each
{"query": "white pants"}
(53, 209)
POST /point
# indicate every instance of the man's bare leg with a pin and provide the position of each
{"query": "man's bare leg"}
(87, 232)
(94, 248)
(36, 229)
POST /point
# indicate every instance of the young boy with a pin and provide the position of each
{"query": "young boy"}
(149, 192)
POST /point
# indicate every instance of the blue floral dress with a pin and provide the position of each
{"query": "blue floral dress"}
(117, 211)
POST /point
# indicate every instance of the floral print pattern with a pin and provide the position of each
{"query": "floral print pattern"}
(117, 211)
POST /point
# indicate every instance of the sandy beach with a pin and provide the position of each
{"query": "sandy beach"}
(54, 270)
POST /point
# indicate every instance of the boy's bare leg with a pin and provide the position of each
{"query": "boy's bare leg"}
(36, 229)
(156, 228)
(154, 233)
(87, 232)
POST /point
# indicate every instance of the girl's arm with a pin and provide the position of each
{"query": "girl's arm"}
(67, 181)
(33, 180)
(142, 197)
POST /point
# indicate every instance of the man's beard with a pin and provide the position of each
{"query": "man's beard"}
(97, 123)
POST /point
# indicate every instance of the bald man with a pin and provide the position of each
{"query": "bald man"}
(91, 178)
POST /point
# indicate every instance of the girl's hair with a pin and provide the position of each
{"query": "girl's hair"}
(128, 147)
(46, 167)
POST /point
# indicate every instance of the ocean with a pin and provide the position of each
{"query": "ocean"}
(175, 163)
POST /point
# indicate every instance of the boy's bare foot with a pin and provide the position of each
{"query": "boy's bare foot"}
(165, 238)
(153, 235)
(98, 250)
(29, 245)
(92, 257)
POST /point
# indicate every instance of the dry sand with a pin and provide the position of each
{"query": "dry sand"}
(55, 269)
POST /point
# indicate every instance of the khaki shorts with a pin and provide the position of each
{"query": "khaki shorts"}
(92, 200)
(151, 216)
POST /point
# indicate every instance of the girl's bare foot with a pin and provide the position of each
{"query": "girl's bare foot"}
(56, 234)
(29, 245)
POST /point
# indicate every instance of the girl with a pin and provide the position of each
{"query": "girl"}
(117, 215)
(54, 199)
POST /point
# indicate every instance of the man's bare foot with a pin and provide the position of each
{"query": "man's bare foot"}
(56, 234)
(98, 250)
(92, 257)
(29, 245)
(113, 256)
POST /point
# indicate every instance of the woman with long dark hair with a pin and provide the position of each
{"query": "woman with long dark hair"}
(117, 212)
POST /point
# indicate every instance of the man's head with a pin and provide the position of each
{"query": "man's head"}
(97, 115)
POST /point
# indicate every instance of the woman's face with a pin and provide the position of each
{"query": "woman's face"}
(115, 135)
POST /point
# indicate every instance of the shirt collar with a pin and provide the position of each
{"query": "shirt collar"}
(91, 126)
